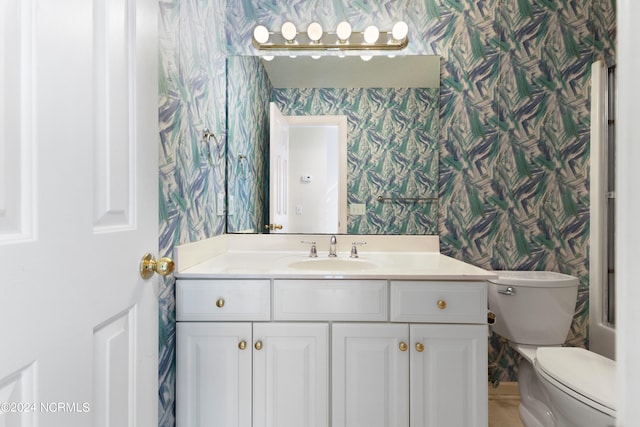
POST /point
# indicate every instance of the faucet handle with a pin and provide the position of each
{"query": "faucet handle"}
(354, 249)
(313, 253)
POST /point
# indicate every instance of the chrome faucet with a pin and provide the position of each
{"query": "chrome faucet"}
(313, 252)
(332, 247)
(354, 249)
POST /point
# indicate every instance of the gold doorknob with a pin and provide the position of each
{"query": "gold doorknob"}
(148, 265)
(419, 347)
(442, 304)
(258, 345)
(403, 346)
(242, 345)
(273, 227)
(220, 303)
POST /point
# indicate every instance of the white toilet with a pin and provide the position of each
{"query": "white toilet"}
(559, 386)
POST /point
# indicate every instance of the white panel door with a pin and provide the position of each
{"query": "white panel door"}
(290, 375)
(370, 375)
(213, 374)
(78, 209)
(278, 170)
(448, 375)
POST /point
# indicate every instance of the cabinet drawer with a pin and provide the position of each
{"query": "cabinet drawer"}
(439, 302)
(223, 300)
(357, 300)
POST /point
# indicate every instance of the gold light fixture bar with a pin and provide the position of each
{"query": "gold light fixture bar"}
(330, 41)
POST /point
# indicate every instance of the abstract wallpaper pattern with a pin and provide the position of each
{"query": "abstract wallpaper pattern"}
(192, 92)
(249, 93)
(513, 143)
(392, 151)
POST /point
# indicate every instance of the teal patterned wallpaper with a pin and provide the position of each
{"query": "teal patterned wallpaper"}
(192, 95)
(513, 143)
(249, 93)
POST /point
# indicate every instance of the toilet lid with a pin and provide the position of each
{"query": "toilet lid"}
(589, 374)
(536, 279)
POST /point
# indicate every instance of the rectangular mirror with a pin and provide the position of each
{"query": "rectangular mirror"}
(392, 111)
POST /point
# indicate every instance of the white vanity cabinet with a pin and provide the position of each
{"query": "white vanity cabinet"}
(233, 371)
(448, 384)
(290, 374)
(417, 375)
(213, 374)
(331, 352)
(370, 375)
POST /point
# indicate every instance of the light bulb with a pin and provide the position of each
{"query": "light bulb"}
(400, 30)
(289, 31)
(268, 57)
(343, 31)
(314, 31)
(261, 34)
(366, 57)
(371, 34)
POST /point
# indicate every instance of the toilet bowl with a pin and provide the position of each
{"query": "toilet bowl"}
(559, 386)
(580, 384)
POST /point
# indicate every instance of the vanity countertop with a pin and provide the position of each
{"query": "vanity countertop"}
(284, 256)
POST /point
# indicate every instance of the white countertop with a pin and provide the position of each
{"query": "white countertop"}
(283, 256)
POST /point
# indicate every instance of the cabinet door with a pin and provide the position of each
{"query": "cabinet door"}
(370, 375)
(213, 374)
(449, 375)
(290, 374)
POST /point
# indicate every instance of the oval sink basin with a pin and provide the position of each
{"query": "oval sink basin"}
(332, 264)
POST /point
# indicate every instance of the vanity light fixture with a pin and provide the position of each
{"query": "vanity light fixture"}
(261, 34)
(314, 31)
(371, 34)
(399, 31)
(343, 31)
(343, 38)
(289, 31)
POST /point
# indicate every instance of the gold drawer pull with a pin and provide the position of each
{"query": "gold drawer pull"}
(419, 347)
(442, 304)
(258, 345)
(403, 346)
(220, 303)
(242, 345)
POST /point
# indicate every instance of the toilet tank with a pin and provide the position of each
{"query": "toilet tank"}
(533, 307)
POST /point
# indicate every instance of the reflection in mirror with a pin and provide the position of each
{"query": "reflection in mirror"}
(308, 169)
(392, 148)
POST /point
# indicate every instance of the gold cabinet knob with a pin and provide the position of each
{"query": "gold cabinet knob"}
(258, 345)
(273, 227)
(149, 265)
(242, 345)
(220, 303)
(403, 346)
(442, 304)
(419, 347)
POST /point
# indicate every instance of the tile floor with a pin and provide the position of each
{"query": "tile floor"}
(503, 405)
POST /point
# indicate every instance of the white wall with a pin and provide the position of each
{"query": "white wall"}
(313, 151)
(628, 199)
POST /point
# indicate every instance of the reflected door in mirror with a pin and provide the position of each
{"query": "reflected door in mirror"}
(307, 173)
